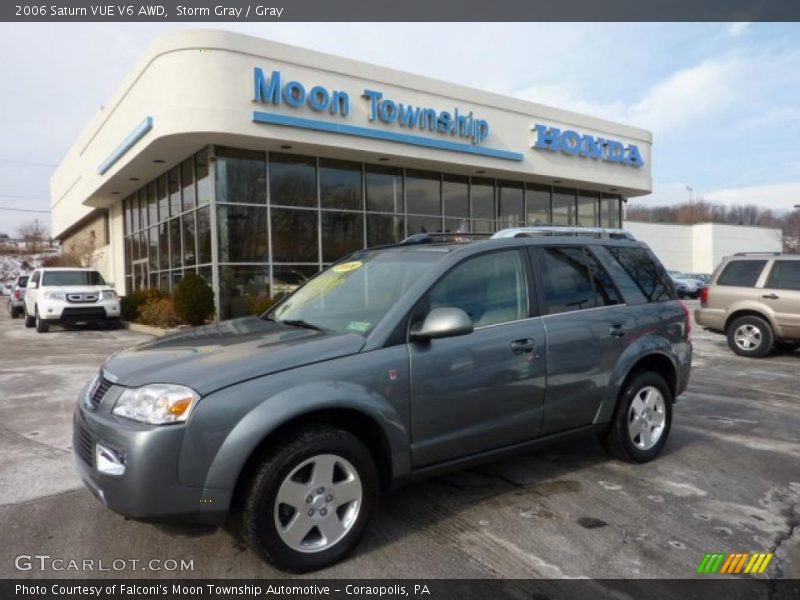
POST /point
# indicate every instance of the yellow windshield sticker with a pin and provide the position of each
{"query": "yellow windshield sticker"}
(360, 326)
(348, 266)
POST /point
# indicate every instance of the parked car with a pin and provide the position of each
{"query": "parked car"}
(686, 285)
(69, 296)
(16, 301)
(393, 364)
(703, 277)
(754, 299)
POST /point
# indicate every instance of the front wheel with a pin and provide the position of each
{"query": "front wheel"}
(29, 320)
(41, 325)
(643, 419)
(311, 499)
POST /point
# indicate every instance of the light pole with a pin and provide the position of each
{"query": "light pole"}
(691, 203)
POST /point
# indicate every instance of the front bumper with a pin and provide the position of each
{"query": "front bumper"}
(148, 489)
(65, 312)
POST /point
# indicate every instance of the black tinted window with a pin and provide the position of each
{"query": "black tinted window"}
(741, 273)
(785, 275)
(72, 278)
(605, 291)
(645, 271)
(23, 281)
(567, 283)
(490, 288)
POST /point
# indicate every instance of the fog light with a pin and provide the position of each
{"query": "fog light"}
(108, 461)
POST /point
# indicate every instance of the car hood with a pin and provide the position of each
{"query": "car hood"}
(215, 356)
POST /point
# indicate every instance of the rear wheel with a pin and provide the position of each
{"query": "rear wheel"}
(750, 336)
(41, 325)
(643, 419)
(311, 499)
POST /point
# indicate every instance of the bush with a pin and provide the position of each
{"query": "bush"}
(159, 313)
(61, 260)
(258, 305)
(131, 303)
(194, 299)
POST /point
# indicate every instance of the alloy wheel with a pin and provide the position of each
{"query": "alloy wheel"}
(646, 418)
(747, 337)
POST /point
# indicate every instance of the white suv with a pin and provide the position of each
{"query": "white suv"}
(69, 295)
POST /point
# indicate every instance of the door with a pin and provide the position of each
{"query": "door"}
(587, 328)
(781, 293)
(484, 390)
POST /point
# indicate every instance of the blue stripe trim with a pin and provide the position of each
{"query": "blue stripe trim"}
(133, 137)
(365, 132)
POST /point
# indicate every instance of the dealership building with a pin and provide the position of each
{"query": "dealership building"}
(256, 164)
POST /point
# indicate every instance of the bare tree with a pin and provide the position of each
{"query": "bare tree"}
(34, 234)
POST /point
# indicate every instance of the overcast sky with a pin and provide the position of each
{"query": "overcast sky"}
(723, 100)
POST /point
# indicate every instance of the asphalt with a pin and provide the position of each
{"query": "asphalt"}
(728, 481)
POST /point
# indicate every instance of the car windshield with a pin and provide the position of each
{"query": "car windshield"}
(23, 281)
(55, 278)
(353, 296)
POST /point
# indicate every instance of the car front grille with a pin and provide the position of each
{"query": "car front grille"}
(82, 298)
(98, 390)
(83, 443)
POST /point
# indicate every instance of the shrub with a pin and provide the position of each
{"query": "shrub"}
(131, 303)
(258, 305)
(61, 260)
(194, 299)
(159, 312)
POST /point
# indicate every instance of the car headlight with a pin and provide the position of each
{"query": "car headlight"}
(157, 404)
(55, 296)
(108, 295)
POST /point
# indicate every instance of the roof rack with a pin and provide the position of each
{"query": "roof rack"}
(429, 238)
(554, 230)
(758, 254)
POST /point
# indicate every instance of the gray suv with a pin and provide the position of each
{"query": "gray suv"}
(393, 364)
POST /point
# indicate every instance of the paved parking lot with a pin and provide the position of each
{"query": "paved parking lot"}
(728, 481)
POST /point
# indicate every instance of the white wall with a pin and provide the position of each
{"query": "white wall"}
(700, 248)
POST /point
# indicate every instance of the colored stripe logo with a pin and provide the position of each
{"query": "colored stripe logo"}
(735, 562)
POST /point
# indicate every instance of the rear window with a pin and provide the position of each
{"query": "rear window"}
(23, 281)
(741, 273)
(650, 278)
(53, 278)
(785, 275)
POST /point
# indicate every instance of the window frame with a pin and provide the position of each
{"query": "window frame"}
(765, 267)
(535, 253)
(768, 282)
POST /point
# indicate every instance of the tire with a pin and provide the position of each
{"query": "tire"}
(750, 336)
(14, 313)
(29, 320)
(288, 472)
(41, 325)
(627, 438)
(787, 347)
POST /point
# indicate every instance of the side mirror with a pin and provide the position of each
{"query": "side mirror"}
(32, 285)
(447, 321)
(110, 284)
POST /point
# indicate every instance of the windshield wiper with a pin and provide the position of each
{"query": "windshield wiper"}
(301, 323)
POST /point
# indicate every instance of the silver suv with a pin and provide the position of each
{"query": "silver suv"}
(393, 364)
(754, 299)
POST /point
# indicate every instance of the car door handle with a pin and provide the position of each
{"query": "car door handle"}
(618, 330)
(770, 296)
(523, 346)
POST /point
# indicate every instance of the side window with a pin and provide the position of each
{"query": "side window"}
(741, 273)
(606, 292)
(785, 275)
(645, 271)
(567, 283)
(490, 288)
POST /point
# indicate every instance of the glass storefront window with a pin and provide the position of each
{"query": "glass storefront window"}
(176, 278)
(242, 233)
(509, 205)
(384, 229)
(423, 225)
(292, 180)
(163, 197)
(294, 235)
(142, 195)
(152, 263)
(563, 206)
(240, 288)
(202, 176)
(287, 278)
(537, 204)
(126, 204)
(127, 247)
(175, 246)
(482, 196)
(189, 241)
(203, 235)
(174, 190)
(187, 184)
(241, 176)
(423, 192)
(609, 211)
(152, 204)
(482, 226)
(588, 209)
(384, 189)
(455, 196)
(163, 245)
(340, 184)
(457, 225)
(342, 234)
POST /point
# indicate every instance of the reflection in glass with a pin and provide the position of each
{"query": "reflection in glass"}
(287, 278)
(509, 205)
(242, 233)
(142, 195)
(152, 203)
(292, 180)
(537, 204)
(241, 176)
(423, 192)
(342, 233)
(201, 172)
(423, 224)
(340, 184)
(482, 194)
(175, 247)
(187, 183)
(294, 235)
(609, 211)
(189, 248)
(384, 189)
(588, 209)
(384, 229)
(455, 196)
(203, 235)
(174, 190)
(163, 245)
(241, 288)
(153, 243)
(563, 206)
(163, 198)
